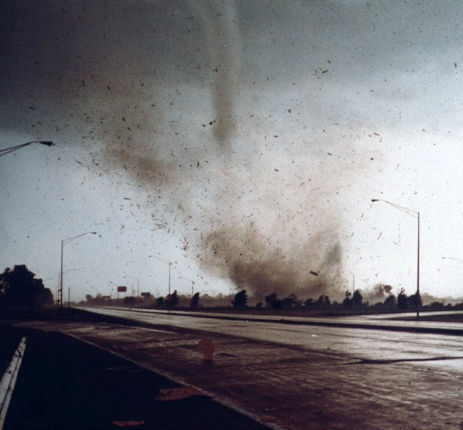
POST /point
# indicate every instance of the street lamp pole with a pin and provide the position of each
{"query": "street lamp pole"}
(60, 290)
(22, 145)
(418, 297)
(138, 286)
(170, 265)
(63, 241)
(192, 284)
(417, 214)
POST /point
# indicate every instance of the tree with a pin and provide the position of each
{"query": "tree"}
(324, 300)
(309, 303)
(20, 289)
(291, 301)
(402, 300)
(413, 301)
(347, 300)
(390, 301)
(194, 302)
(172, 299)
(437, 305)
(270, 299)
(240, 300)
(357, 298)
(273, 301)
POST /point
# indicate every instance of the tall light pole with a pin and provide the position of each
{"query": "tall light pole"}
(63, 242)
(167, 262)
(138, 286)
(417, 214)
(192, 284)
(69, 289)
(22, 145)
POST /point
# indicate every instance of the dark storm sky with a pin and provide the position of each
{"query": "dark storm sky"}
(242, 139)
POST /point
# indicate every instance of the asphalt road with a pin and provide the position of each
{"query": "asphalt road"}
(66, 384)
(294, 376)
(441, 351)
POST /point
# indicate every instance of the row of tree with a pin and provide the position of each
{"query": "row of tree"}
(20, 289)
(355, 300)
(173, 300)
(145, 300)
(240, 300)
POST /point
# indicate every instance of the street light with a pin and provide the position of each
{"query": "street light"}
(69, 289)
(138, 286)
(417, 214)
(167, 262)
(22, 145)
(63, 242)
(192, 284)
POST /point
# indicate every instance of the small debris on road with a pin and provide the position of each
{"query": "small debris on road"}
(206, 346)
(178, 393)
(128, 423)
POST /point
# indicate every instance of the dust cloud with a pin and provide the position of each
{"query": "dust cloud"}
(242, 217)
(219, 26)
(159, 94)
(253, 265)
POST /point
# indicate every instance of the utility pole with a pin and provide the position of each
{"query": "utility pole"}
(411, 212)
(63, 241)
(170, 265)
(418, 273)
(167, 262)
(60, 292)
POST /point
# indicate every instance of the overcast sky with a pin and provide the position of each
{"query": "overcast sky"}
(242, 141)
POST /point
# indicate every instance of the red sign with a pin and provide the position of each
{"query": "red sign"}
(121, 289)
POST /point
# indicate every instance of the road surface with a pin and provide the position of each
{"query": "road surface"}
(297, 376)
(357, 344)
(65, 384)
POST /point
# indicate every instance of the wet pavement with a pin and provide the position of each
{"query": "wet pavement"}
(357, 343)
(299, 377)
(393, 322)
(64, 383)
